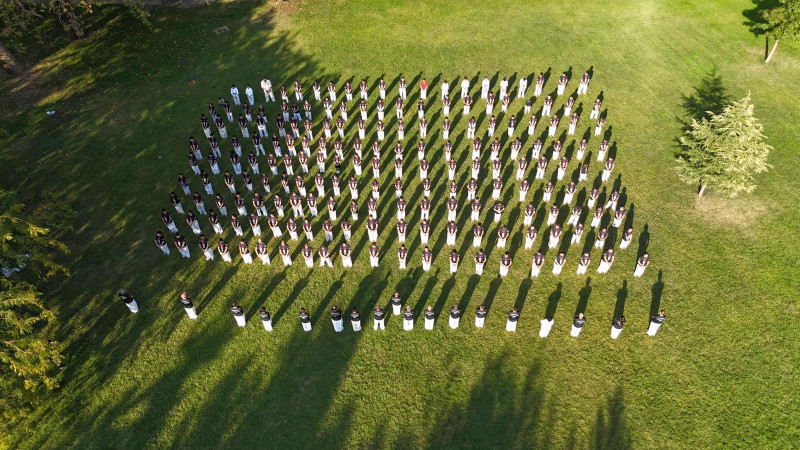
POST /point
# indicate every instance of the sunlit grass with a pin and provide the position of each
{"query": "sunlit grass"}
(126, 109)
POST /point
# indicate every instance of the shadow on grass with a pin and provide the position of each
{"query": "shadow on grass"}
(709, 97)
(489, 408)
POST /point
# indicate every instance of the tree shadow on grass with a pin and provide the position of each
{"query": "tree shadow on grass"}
(610, 429)
(489, 408)
(709, 97)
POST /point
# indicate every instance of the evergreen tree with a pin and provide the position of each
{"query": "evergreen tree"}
(25, 260)
(725, 151)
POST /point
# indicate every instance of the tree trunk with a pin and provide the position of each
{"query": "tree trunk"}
(66, 15)
(702, 189)
(9, 62)
(772, 52)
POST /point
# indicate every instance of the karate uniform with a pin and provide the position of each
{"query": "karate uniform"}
(336, 319)
(238, 315)
(577, 326)
(188, 306)
(379, 319)
(547, 325)
(513, 318)
(655, 324)
(455, 317)
(266, 320)
(430, 317)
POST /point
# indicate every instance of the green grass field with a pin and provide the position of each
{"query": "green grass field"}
(722, 372)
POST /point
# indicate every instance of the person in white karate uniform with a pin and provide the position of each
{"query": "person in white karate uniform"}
(464, 87)
(616, 327)
(266, 319)
(248, 91)
(238, 314)
(523, 86)
(235, 95)
(188, 306)
(129, 301)
(547, 325)
(656, 322)
(266, 86)
(485, 87)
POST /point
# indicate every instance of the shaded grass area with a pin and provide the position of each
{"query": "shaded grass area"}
(126, 107)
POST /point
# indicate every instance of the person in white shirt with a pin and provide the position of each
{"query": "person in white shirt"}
(445, 89)
(485, 88)
(248, 91)
(503, 88)
(266, 86)
(523, 86)
(464, 87)
(235, 95)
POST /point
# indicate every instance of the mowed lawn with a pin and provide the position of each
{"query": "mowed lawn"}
(721, 372)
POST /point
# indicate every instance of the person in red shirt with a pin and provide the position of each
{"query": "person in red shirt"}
(423, 88)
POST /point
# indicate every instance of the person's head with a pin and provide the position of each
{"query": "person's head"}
(429, 308)
(262, 310)
(184, 295)
(645, 255)
(514, 309)
(408, 308)
(662, 313)
(121, 292)
(302, 310)
(355, 310)
(580, 315)
(455, 306)
(235, 305)
(335, 307)
(548, 318)
(481, 307)
(377, 307)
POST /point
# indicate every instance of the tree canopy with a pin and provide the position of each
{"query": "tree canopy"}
(725, 151)
(27, 357)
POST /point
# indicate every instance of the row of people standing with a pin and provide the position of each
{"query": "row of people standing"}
(408, 315)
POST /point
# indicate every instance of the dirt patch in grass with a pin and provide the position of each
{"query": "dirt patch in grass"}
(741, 213)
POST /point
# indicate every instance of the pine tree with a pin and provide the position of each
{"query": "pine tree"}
(725, 151)
(25, 260)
